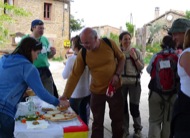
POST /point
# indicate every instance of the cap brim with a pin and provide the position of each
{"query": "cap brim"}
(177, 30)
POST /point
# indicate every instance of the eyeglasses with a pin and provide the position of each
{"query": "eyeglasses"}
(87, 43)
(84, 44)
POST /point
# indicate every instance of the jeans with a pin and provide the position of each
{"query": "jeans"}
(79, 105)
(7, 124)
(47, 79)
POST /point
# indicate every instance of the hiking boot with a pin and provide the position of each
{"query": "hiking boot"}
(125, 134)
(137, 134)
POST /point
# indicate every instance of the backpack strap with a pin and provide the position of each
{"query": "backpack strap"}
(84, 55)
(106, 40)
(132, 76)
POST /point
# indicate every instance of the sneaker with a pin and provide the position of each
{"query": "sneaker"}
(137, 134)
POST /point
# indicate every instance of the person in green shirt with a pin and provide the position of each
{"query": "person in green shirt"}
(42, 64)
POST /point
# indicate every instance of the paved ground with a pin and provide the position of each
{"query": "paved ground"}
(57, 68)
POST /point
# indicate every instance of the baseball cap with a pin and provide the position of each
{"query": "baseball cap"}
(179, 25)
(36, 22)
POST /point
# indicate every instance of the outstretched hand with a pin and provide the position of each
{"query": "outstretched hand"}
(64, 103)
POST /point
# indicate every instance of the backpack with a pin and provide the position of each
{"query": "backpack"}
(84, 50)
(138, 75)
(164, 73)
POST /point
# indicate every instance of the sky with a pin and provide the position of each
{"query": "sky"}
(117, 12)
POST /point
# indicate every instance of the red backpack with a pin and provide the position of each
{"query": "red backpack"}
(164, 73)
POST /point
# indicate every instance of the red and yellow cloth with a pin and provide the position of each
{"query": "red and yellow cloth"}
(76, 131)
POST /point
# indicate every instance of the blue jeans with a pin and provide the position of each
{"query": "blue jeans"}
(7, 124)
(79, 105)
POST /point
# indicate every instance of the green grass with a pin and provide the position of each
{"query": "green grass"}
(147, 58)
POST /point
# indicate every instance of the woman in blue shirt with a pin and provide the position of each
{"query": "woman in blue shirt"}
(17, 73)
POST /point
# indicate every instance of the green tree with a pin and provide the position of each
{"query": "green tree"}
(115, 37)
(187, 14)
(75, 24)
(153, 30)
(130, 28)
(11, 11)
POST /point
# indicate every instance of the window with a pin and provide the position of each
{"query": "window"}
(10, 2)
(47, 11)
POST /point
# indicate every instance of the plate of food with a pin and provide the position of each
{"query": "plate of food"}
(59, 116)
(37, 124)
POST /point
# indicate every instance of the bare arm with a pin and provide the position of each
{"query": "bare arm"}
(184, 62)
(118, 72)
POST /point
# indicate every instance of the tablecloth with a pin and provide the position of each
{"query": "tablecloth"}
(75, 128)
(54, 130)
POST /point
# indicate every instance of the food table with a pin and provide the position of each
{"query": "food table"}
(73, 128)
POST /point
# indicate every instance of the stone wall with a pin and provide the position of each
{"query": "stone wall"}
(106, 30)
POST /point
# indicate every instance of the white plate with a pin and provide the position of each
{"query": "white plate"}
(42, 124)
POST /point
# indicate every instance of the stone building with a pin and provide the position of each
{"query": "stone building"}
(106, 30)
(54, 13)
(154, 30)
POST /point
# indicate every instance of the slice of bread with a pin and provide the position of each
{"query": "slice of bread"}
(62, 108)
(54, 112)
(57, 117)
(47, 116)
(47, 109)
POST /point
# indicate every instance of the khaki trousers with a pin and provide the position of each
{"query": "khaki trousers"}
(160, 114)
